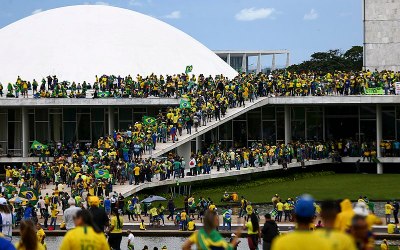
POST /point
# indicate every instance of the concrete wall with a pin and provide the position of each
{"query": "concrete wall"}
(382, 34)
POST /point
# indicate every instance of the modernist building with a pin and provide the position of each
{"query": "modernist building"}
(381, 34)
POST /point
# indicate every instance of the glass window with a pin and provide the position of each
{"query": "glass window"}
(254, 126)
(269, 133)
(367, 130)
(55, 127)
(241, 117)
(14, 135)
(268, 113)
(3, 127)
(341, 110)
(97, 114)
(31, 122)
(298, 130)
(137, 117)
(298, 113)
(97, 130)
(69, 114)
(83, 110)
(239, 133)
(125, 114)
(124, 125)
(225, 131)
(42, 131)
(83, 127)
(69, 132)
(41, 115)
(314, 126)
(368, 112)
(14, 115)
(280, 129)
(140, 110)
(388, 126)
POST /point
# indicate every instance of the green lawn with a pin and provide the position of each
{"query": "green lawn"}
(321, 185)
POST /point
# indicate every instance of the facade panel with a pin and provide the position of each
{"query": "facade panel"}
(382, 34)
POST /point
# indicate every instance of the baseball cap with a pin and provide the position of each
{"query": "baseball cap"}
(305, 206)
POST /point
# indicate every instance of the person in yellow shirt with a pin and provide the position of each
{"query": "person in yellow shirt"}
(388, 212)
(339, 240)
(85, 235)
(191, 225)
(384, 245)
(343, 219)
(40, 234)
(302, 238)
(115, 235)
(28, 239)
(142, 226)
(279, 209)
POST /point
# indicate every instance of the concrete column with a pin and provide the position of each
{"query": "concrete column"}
(288, 125)
(244, 63)
(379, 166)
(198, 143)
(110, 120)
(287, 60)
(273, 66)
(259, 63)
(185, 151)
(228, 59)
(25, 132)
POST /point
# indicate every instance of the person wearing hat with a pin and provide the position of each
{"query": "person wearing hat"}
(302, 238)
(101, 218)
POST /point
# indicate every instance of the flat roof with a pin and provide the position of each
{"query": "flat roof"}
(154, 101)
(250, 52)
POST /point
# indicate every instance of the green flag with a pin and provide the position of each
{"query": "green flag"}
(148, 120)
(184, 104)
(29, 194)
(9, 189)
(37, 145)
(189, 69)
(101, 173)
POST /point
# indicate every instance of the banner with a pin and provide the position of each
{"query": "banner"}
(374, 91)
(397, 88)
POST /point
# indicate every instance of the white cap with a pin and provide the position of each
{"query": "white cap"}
(3, 201)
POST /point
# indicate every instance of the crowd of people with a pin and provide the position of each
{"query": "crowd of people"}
(276, 83)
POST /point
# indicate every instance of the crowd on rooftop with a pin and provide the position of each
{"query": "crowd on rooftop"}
(276, 83)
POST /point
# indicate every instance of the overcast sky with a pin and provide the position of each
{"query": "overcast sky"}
(301, 26)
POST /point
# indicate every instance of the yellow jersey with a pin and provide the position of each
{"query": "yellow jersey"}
(18, 246)
(338, 240)
(301, 240)
(117, 227)
(84, 238)
(40, 234)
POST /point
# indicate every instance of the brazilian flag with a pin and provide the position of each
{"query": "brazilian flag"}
(103, 94)
(184, 104)
(29, 193)
(148, 120)
(188, 69)
(37, 145)
(101, 173)
(9, 189)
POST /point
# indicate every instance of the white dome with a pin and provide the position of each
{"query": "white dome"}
(78, 42)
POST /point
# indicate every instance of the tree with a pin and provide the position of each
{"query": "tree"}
(332, 60)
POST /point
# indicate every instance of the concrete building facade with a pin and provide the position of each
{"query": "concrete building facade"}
(381, 34)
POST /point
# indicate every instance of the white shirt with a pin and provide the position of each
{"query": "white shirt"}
(6, 224)
(130, 239)
(69, 215)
